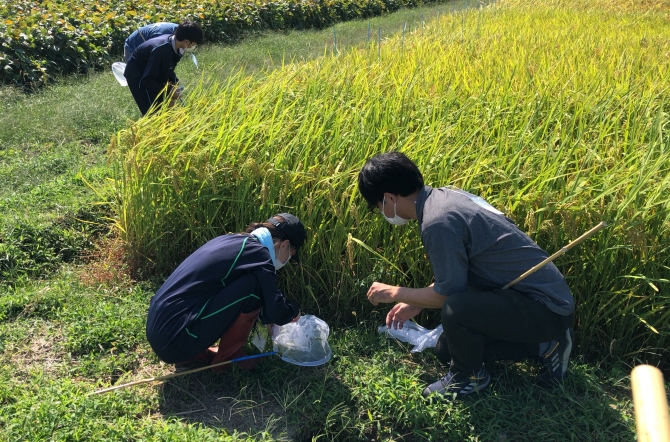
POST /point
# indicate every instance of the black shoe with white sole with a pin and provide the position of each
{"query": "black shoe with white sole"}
(555, 356)
(458, 384)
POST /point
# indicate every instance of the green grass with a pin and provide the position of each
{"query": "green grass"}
(74, 322)
(61, 340)
(271, 51)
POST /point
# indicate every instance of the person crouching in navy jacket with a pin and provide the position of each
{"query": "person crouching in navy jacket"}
(220, 290)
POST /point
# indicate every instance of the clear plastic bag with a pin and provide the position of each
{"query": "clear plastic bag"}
(118, 68)
(259, 337)
(304, 342)
(412, 333)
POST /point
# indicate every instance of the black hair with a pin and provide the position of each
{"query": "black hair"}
(189, 30)
(275, 232)
(391, 172)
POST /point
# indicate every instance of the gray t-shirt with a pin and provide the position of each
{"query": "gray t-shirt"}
(467, 243)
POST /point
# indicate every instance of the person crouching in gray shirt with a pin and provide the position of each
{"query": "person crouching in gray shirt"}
(473, 250)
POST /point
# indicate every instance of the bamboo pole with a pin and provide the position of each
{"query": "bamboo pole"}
(597, 228)
(651, 404)
(174, 375)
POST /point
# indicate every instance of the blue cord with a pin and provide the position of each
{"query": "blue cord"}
(244, 358)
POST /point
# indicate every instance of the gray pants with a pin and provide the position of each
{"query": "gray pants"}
(495, 325)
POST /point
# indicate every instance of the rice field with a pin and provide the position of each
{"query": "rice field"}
(554, 111)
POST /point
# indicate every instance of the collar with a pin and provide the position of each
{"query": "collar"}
(481, 202)
(421, 198)
(174, 47)
(265, 238)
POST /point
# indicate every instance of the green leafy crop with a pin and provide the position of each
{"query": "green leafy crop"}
(41, 39)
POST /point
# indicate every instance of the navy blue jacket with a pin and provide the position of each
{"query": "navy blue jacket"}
(146, 33)
(152, 65)
(210, 268)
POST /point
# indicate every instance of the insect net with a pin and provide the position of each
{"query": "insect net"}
(304, 342)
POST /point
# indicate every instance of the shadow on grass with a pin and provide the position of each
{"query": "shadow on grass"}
(384, 381)
(277, 400)
(514, 408)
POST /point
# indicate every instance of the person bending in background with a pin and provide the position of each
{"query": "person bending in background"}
(473, 250)
(146, 33)
(151, 66)
(220, 290)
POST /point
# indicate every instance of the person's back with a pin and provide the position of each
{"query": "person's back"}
(146, 33)
(471, 244)
(152, 66)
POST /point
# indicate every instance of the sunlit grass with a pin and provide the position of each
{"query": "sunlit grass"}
(60, 340)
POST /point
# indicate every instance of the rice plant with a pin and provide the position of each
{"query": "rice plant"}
(556, 112)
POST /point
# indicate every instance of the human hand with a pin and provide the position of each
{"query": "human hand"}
(381, 293)
(400, 313)
(176, 92)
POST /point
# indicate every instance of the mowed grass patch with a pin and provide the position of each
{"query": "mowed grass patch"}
(268, 51)
(105, 319)
(555, 115)
(52, 146)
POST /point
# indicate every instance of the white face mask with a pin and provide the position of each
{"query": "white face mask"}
(187, 50)
(396, 220)
(278, 262)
